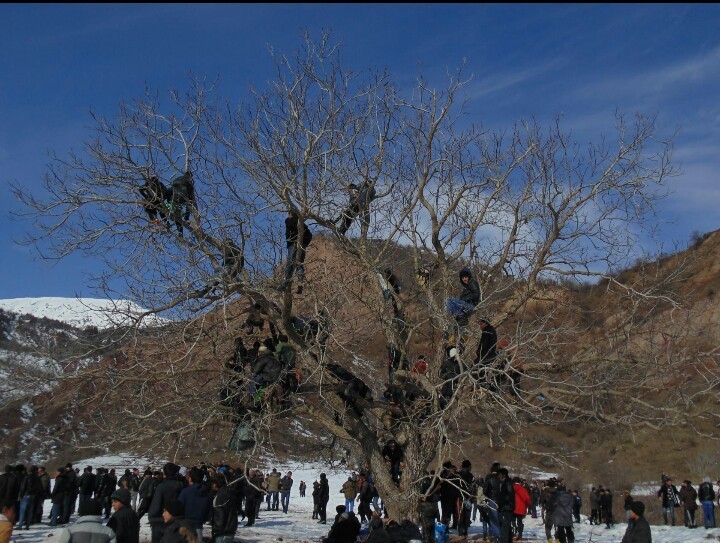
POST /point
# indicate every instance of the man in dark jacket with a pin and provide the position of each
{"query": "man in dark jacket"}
(176, 529)
(449, 495)
(706, 495)
(45, 484)
(506, 505)
(167, 491)
(146, 492)
(225, 511)
(462, 308)
(197, 501)
(108, 486)
(124, 521)
(323, 498)
(467, 495)
(9, 485)
(72, 493)
(57, 496)
(86, 484)
(638, 531)
(345, 530)
(154, 193)
(253, 495)
(393, 455)
(183, 196)
(286, 484)
(30, 490)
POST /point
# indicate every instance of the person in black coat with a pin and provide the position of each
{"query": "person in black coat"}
(450, 495)
(183, 199)
(109, 484)
(323, 498)
(506, 505)
(154, 193)
(86, 484)
(176, 529)
(345, 530)
(638, 531)
(462, 308)
(60, 488)
(467, 484)
(393, 455)
(225, 511)
(253, 496)
(295, 255)
(167, 491)
(124, 521)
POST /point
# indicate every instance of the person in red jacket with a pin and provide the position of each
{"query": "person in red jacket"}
(522, 503)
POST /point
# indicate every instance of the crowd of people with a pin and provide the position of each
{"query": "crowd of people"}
(209, 502)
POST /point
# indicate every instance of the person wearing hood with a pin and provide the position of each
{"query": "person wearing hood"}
(345, 530)
(197, 501)
(562, 515)
(124, 522)
(638, 531)
(462, 308)
(88, 527)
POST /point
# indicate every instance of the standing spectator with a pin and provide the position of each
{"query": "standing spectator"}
(88, 527)
(146, 491)
(534, 499)
(225, 511)
(30, 490)
(323, 498)
(316, 500)
(594, 506)
(638, 531)
(273, 490)
(562, 516)
(506, 505)
(45, 485)
(606, 508)
(8, 485)
(167, 491)
(302, 489)
(688, 495)
(522, 504)
(669, 500)
(107, 487)
(706, 495)
(58, 496)
(492, 491)
(134, 488)
(253, 495)
(124, 521)
(467, 495)
(71, 494)
(364, 497)
(450, 496)
(86, 485)
(349, 489)
(577, 506)
(548, 506)
(285, 486)
(197, 501)
(627, 505)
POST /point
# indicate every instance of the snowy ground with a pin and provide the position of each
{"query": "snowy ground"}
(297, 525)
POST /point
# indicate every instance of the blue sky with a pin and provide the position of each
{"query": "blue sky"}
(582, 61)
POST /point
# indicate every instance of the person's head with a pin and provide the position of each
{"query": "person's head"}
(495, 467)
(352, 187)
(340, 509)
(289, 474)
(41, 470)
(68, 466)
(120, 498)
(466, 465)
(7, 508)
(196, 475)
(669, 482)
(90, 507)
(170, 469)
(483, 324)
(323, 476)
(173, 509)
(637, 510)
(502, 473)
(292, 214)
(465, 276)
(136, 472)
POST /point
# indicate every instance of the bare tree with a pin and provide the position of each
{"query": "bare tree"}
(534, 214)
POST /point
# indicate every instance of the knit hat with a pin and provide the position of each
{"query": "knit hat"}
(638, 508)
(122, 495)
(176, 508)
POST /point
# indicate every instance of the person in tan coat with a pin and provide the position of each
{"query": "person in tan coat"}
(349, 488)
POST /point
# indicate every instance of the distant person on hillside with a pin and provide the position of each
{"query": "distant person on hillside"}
(638, 531)
(463, 307)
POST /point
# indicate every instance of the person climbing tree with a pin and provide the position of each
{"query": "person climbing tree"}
(295, 254)
(183, 198)
(360, 198)
(462, 308)
(154, 194)
(233, 263)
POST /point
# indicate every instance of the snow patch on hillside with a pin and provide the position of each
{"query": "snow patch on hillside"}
(81, 312)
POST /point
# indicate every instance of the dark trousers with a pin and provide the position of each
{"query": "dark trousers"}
(322, 511)
(251, 505)
(565, 534)
(157, 532)
(506, 519)
(449, 512)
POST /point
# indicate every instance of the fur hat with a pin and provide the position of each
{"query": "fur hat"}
(638, 508)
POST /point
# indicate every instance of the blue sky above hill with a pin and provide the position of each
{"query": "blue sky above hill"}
(583, 62)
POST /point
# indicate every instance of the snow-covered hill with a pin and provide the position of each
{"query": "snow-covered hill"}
(79, 312)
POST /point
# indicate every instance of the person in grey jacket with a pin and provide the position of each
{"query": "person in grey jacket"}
(89, 527)
(562, 515)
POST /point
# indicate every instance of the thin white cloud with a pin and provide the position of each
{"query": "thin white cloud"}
(498, 82)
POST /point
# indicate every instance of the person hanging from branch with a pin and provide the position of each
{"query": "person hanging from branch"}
(233, 264)
(359, 204)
